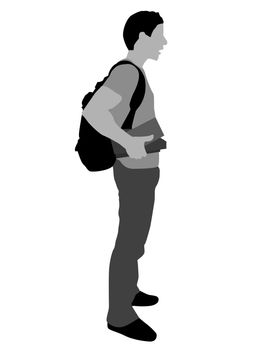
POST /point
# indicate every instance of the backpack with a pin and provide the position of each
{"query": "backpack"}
(96, 150)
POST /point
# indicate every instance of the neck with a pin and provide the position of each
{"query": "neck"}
(136, 58)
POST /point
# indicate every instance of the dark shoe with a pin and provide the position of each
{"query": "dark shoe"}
(143, 299)
(137, 330)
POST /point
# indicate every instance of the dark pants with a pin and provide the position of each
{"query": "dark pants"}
(136, 200)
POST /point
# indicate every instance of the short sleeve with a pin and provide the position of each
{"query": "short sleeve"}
(123, 80)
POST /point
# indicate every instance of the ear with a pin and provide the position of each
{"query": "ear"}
(142, 35)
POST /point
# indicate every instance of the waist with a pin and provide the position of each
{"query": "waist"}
(151, 160)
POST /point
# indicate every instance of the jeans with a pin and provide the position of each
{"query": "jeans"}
(136, 201)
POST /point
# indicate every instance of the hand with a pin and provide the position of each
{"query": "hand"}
(136, 148)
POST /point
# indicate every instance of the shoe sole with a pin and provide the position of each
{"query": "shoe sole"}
(122, 332)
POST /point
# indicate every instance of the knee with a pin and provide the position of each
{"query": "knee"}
(140, 253)
(128, 251)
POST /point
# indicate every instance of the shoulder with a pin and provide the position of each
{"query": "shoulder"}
(126, 70)
(123, 79)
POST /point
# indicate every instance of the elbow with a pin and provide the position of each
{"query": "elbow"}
(94, 113)
(87, 113)
(90, 112)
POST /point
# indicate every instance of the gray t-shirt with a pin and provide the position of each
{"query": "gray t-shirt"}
(123, 80)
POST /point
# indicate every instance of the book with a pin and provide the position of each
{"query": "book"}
(150, 147)
(151, 127)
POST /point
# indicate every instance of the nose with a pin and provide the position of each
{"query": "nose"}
(165, 41)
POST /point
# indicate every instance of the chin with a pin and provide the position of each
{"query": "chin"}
(155, 58)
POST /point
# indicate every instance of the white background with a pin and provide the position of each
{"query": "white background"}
(203, 257)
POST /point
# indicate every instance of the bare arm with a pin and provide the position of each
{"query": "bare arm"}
(98, 115)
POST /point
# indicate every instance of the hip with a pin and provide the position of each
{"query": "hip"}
(151, 160)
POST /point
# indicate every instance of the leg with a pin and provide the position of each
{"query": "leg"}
(136, 200)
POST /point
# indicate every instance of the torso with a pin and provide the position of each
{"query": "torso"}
(144, 113)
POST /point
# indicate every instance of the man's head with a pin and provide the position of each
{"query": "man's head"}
(143, 32)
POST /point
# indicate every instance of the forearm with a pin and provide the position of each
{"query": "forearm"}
(104, 123)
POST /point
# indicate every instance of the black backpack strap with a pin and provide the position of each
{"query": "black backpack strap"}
(137, 96)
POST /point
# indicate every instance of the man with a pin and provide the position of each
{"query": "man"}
(137, 175)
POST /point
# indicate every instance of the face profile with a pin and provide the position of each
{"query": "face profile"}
(152, 45)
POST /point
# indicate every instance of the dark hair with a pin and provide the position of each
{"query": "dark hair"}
(143, 21)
